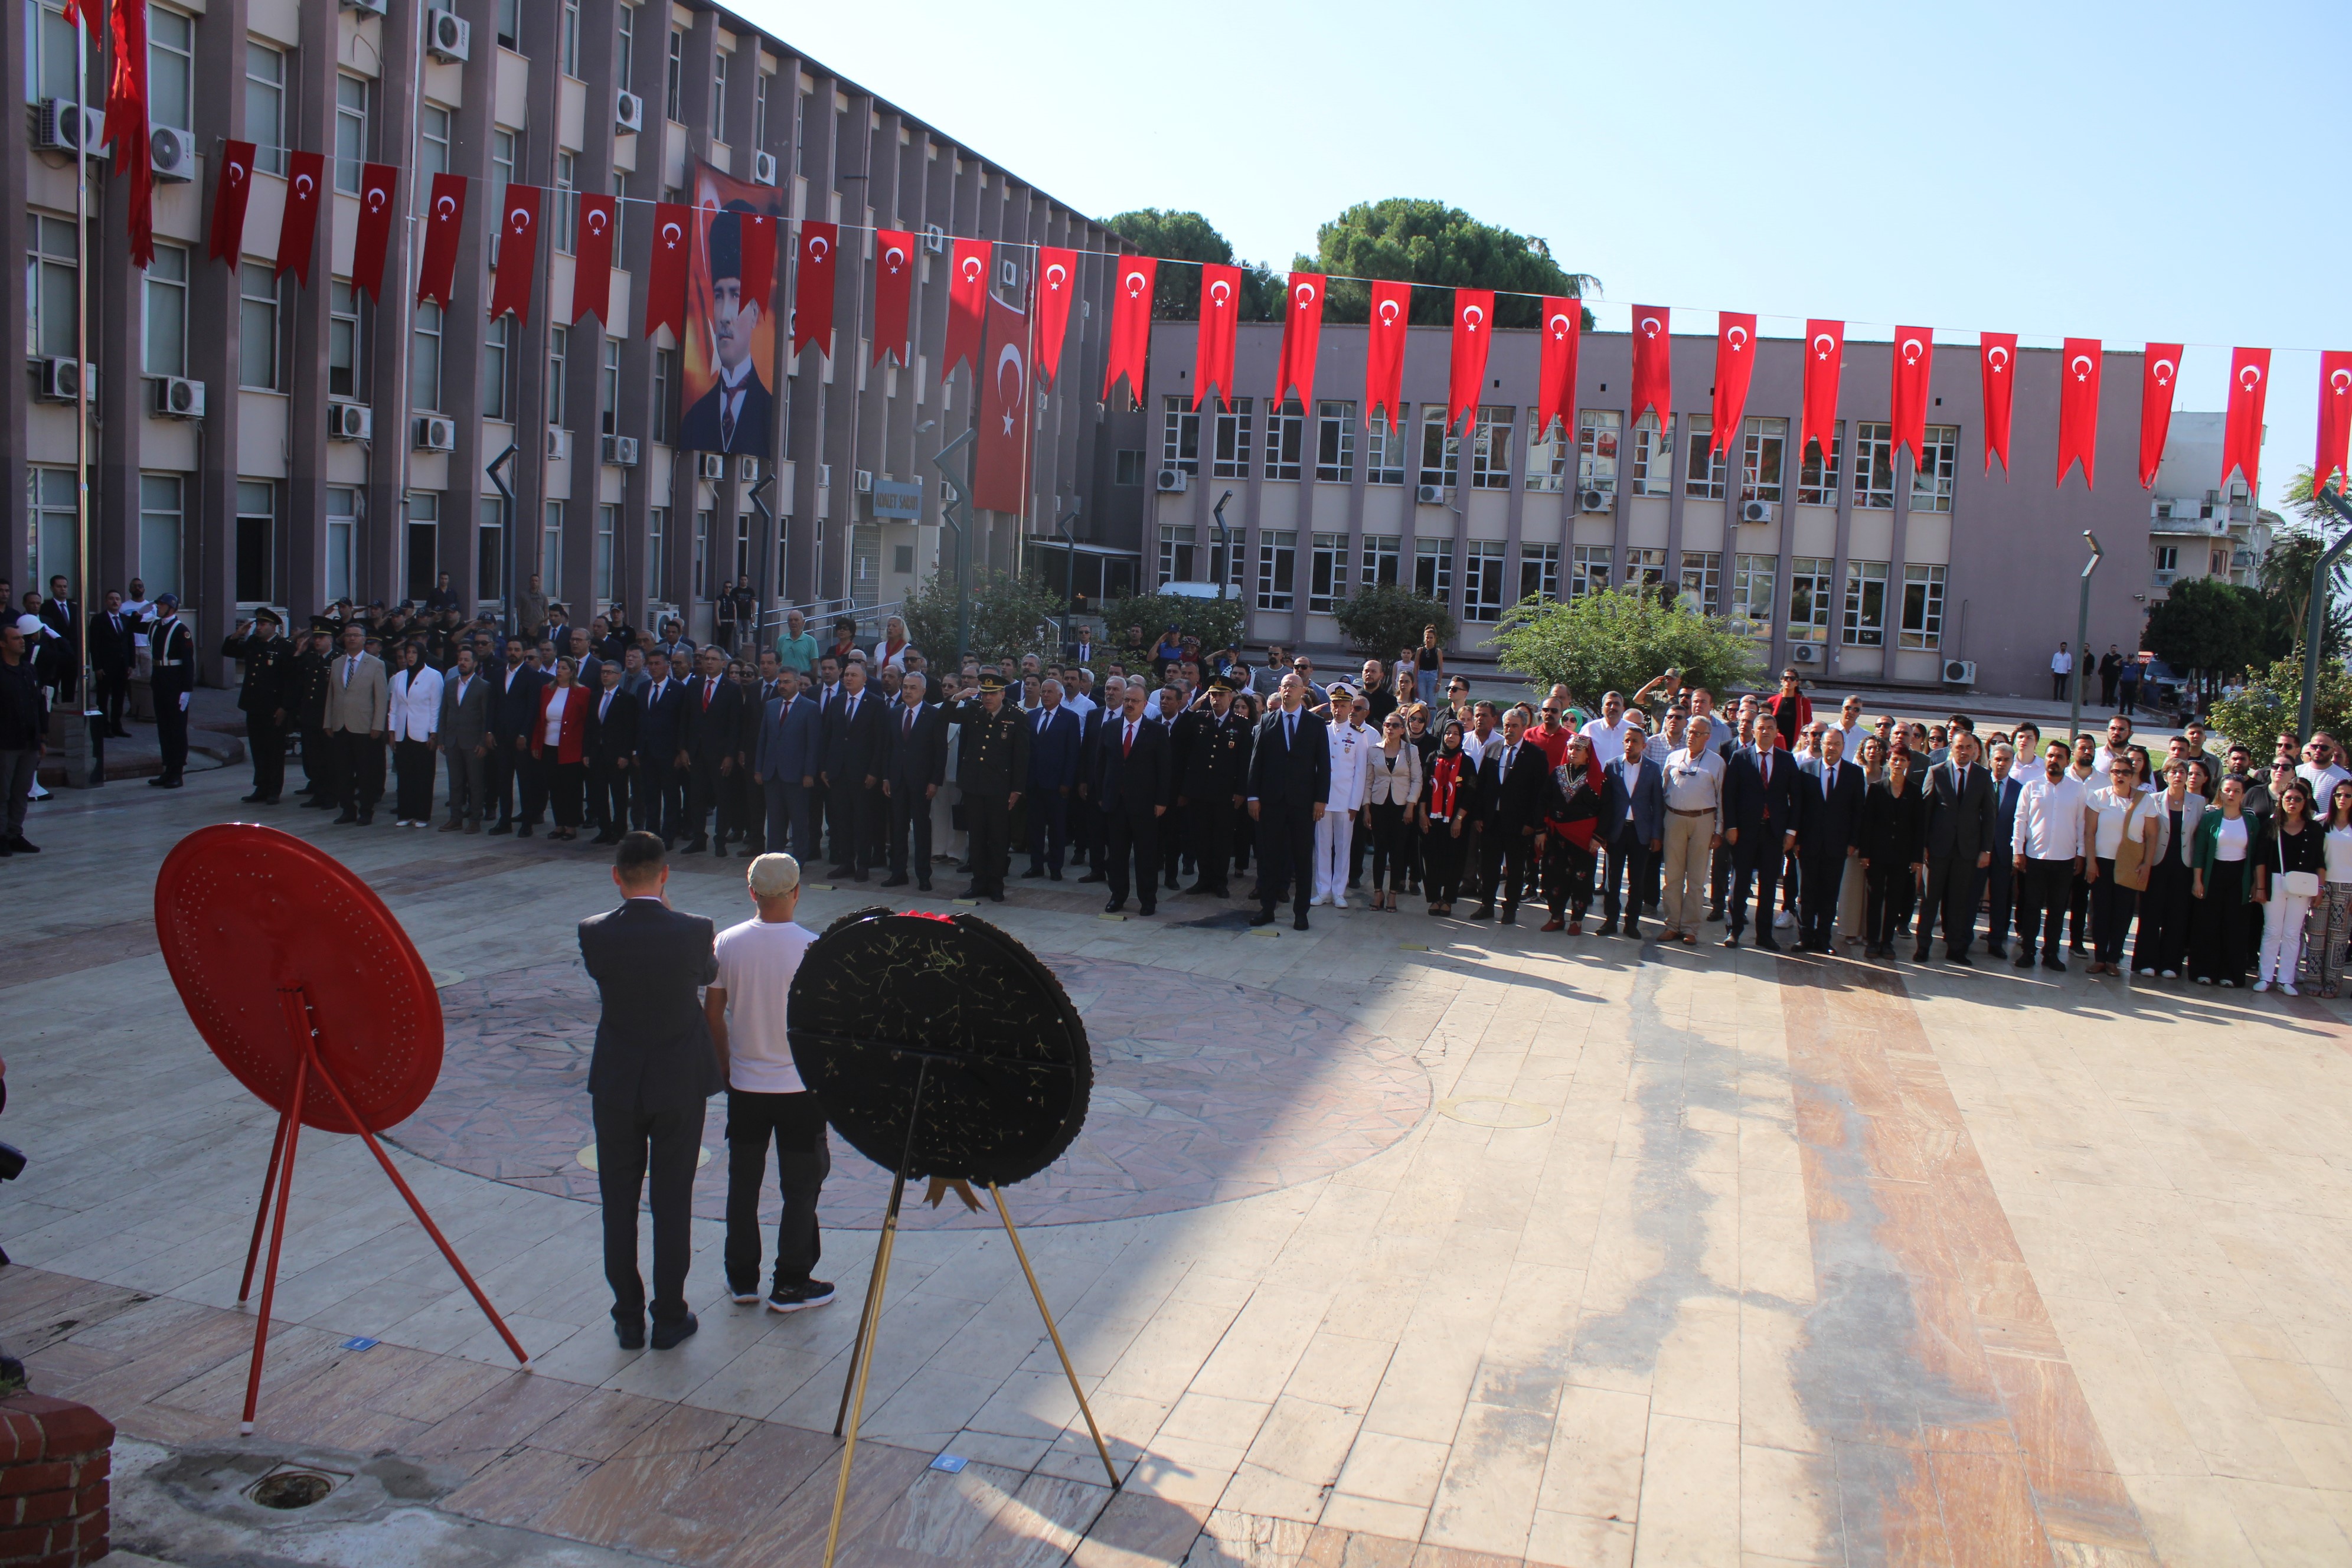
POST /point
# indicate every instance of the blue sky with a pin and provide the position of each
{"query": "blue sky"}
(2123, 172)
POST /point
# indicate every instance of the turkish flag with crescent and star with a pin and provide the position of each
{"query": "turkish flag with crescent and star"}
(229, 196)
(2078, 409)
(1734, 363)
(2333, 453)
(445, 218)
(1824, 368)
(1473, 327)
(371, 242)
(669, 259)
(1131, 326)
(967, 300)
(756, 233)
(1913, 363)
(126, 126)
(1000, 468)
(2159, 372)
(518, 252)
(2241, 433)
(1302, 335)
(1654, 364)
(894, 279)
(1563, 329)
(1997, 369)
(297, 224)
(592, 263)
(1057, 280)
(1391, 313)
(1221, 310)
(812, 285)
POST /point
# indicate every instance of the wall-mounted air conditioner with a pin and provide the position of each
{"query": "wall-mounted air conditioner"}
(1172, 481)
(621, 451)
(711, 465)
(763, 168)
(177, 397)
(628, 111)
(173, 153)
(449, 36)
(350, 422)
(61, 380)
(436, 434)
(559, 442)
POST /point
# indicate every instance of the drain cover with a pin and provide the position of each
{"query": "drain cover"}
(291, 1489)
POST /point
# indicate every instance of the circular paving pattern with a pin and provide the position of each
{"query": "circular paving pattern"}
(1204, 1091)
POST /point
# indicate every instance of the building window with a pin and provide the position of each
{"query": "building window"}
(504, 151)
(510, 22)
(1752, 579)
(1326, 574)
(433, 133)
(1482, 576)
(568, 39)
(1383, 560)
(567, 208)
(342, 536)
(559, 349)
(171, 69)
(1809, 587)
(165, 332)
(49, 68)
(1126, 468)
(421, 557)
(495, 337)
(799, 143)
(161, 514)
(1433, 569)
(1589, 569)
(1763, 443)
(1548, 450)
(1817, 480)
(759, 109)
(265, 105)
(1654, 459)
(625, 57)
(1277, 561)
(50, 267)
(1865, 604)
(1539, 572)
(1233, 455)
(1384, 454)
(609, 388)
(1180, 435)
(673, 80)
(1931, 481)
(608, 530)
(256, 337)
(1490, 448)
(1703, 467)
(1923, 608)
(702, 520)
(664, 388)
(1175, 555)
(718, 96)
(1441, 451)
(255, 564)
(1702, 581)
(1645, 568)
(1225, 566)
(1335, 442)
(49, 494)
(1874, 466)
(2168, 558)
(490, 553)
(550, 544)
(350, 130)
(1597, 430)
(424, 358)
(344, 378)
(1285, 440)
(658, 555)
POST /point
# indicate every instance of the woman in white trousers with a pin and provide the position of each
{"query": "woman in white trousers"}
(2294, 850)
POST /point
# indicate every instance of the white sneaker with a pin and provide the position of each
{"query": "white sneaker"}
(2169, 975)
(1339, 901)
(2261, 985)
(2287, 990)
(1783, 921)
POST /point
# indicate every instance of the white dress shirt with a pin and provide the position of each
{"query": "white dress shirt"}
(2049, 818)
(1608, 740)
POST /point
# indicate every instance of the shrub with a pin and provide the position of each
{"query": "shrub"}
(1379, 620)
(1618, 640)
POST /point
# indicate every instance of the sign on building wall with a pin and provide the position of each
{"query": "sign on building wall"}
(731, 339)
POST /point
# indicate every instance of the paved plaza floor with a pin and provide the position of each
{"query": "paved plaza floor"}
(1398, 1243)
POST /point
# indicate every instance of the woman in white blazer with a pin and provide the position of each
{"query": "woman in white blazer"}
(1391, 796)
(415, 716)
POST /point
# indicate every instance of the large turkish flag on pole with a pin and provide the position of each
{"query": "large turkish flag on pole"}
(1131, 326)
(126, 128)
(967, 300)
(1734, 363)
(1556, 379)
(893, 279)
(812, 285)
(2333, 454)
(1057, 280)
(2241, 434)
(230, 194)
(298, 226)
(1653, 364)
(666, 269)
(1824, 366)
(1997, 369)
(592, 265)
(1302, 331)
(2078, 409)
(1474, 325)
(1914, 363)
(518, 253)
(379, 198)
(445, 218)
(1384, 351)
(2160, 370)
(1000, 469)
(1212, 354)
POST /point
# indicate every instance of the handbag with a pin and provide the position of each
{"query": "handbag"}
(2299, 884)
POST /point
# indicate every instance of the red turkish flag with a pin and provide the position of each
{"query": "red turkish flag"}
(756, 232)
(967, 300)
(2078, 409)
(592, 263)
(1213, 353)
(1654, 364)
(1824, 368)
(518, 253)
(1384, 351)
(1556, 379)
(894, 279)
(229, 196)
(1302, 335)
(2160, 370)
(1473, 326)
(812, 285)
(126, 126)
(1131, 326)
(1735, 362)
(1997, 369)
(2241, 434)
(378, 199)
(1057, 280)
(445, 217)
(1000, 469)
(2333, 453)
(1914, 361)
(298, 229)
(667, 264)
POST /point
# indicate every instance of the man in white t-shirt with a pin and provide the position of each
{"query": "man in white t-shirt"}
(745, 1006)
(1607, 732)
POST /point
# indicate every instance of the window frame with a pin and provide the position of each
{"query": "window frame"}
(248, 307)
(426, 328)
(1763, 457)
(1698, 443)
(498, 370)
(1434, 430)
(1385, 446)
(1699, 574)
(1327, 572)
(1654, 457)
(559, 365)
(1230, 460)
(1874, 461)
(1749, 571)
(1812, 603)
(1921, 628)
(52, 296)
(184, 57)
(1862, 621)
(1177, 542)
(269, 155)
(1285, 440)
(1933, 475)
(1335, 440)
(1482, 577)
(1645, 566)
(1491, 429)
(1277, 568)
(1817, 472)
(352, 124)
(1539, 572)
(347, 339)
(1590, 569)
(1432, 568)
(1180, 434)
(158, 284)
(1383, 561)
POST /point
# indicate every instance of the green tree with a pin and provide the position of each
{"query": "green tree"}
(2209, 626)
(1215, 622)
(1618, 640)
(1010, 614)
(1379, 620)
(1189, 236)
(1426, 242)
(2285, 580)
(2272, 700)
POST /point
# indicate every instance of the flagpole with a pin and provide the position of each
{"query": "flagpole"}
(93, 770)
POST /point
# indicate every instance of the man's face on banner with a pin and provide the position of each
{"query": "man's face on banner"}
(733, 320)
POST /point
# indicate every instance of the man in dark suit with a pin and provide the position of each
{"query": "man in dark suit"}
(709, 726)
(1056, 738)
(110, 650)
(1961, 815)
(514, 708)
(1829, 830)
(752, 788)
(912, 777)
(661, 721)
(1999, 876)
(1760, 817)
(1289, 780)
(791, 733)
(732, 416)
(652, 1067)
(1212, 776)
(59, 613)
(857, 749)
(1133, 783)
(611, 749)
(1514, 779)
(263, 697)
(464, 737)
(1633, 827)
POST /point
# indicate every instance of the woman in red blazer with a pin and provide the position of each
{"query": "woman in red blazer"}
(558, 746)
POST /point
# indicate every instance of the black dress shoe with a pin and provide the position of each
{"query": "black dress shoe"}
(256, 798)
(631, 1334)
(1963, 959)
(694, 847)
(1056, 876)
(367, 818)
(2057, 964)
(1996, 952)
(1483, 912)
(1146, 910)
(20, 845)
(1766, 944)
(923, 885)
(668, 1335)
(898, 881)
(1608, 928)
(974, 893)
(349, 816)
(1919, 955)
(523, 830)
(1095, 877)
(1114, 906)
(2025, 959)
(501, 827)
(1299, 924)
(1263, 918)
(157, 782)
(1033, 871)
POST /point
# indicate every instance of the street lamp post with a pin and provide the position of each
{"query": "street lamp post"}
(2315, 617)
(2081, 642)
(1225, 544)
(951, 509)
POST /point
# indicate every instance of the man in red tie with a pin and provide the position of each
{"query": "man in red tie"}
(1133, 786)
(708, 740)
(1760, 826)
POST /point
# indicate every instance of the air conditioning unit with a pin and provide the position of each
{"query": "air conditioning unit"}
(1959, 672)
(824, 476)
(1172, 481)
(350, 422)
(1756, 511)
(449, 36)
(436, 434)
(177, 397)
(865, 481)
(935, 239)
(64, 126)
(1805, 653)
(628, 111)
(711, 466)
(1430, 494)
(173, 153)
(559, 443)
(366, 7)
(763, 168)
(747, 471)
(1595, 501)
(60, 383)
(621, 451)
(1009, 275)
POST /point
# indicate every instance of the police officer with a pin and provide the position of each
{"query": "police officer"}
(307, 687)
(174, 647)
(992, 764)
(266, 698)
(1213, 777)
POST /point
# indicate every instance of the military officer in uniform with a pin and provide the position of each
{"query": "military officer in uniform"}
(266, 698)
(307, 688)
(992, 764)
(1212, 778)
(173, 648)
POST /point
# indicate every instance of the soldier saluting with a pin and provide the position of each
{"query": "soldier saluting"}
(992, 762)
(1212, 749)
(264, 698)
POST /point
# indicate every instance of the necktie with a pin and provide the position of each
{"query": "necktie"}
(603, 708)
(908, 727)
(1768, 769)
(710, 689)
(1289, 730)
(726, 423)
(1127, 746)
(349, 665)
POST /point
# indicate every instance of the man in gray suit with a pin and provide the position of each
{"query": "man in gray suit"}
(1962, 813)
(359, 711)
(466, 742)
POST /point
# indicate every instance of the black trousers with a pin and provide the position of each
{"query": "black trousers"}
(1441, 862)
(498, 771)
(2164, 916)
(1286, 855)
(1389, 836)
(567, 791)
(911, 815)
(359, 767)
(1632, 877)
(1049, 828)
(171, 733)
(608, 797)
(703, 783)
(2000, 884)
(317, 763)
(2112, 904)
(1952, 892)
(988, 838)
(1817, 911)
(795, 1123)
(113, 693)
(413, 768)
(1135, 837)
(266, 741)
(2078, 911)
(2221, 925)
(1505, 860)
(661, 797)
(1213, 841)
(1567, 878)
(2041, 895)
(1888, 905)
(630, 1146)
(1759, 865)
